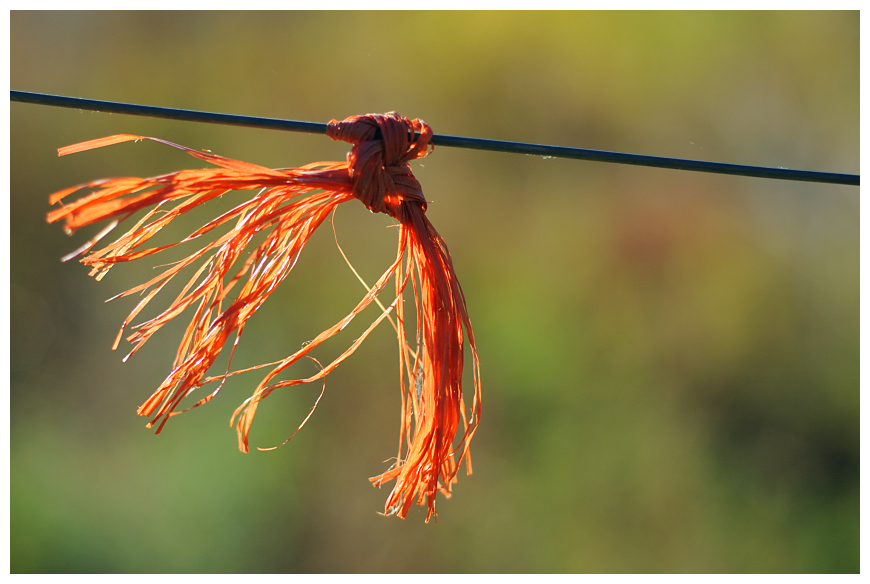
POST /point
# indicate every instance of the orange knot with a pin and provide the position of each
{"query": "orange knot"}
(378, 162)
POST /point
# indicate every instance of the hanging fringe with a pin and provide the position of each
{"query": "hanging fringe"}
(289, 206)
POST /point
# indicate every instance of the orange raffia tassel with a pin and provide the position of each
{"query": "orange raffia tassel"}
(289, 205)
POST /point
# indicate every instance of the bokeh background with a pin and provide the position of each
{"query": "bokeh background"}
(670, 359)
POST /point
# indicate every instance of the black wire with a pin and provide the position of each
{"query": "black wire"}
(441, 140)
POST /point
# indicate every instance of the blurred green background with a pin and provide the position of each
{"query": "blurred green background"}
(670, 359)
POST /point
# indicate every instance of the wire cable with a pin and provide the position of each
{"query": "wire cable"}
(442, 140)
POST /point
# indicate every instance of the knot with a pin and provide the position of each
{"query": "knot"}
(378, 162)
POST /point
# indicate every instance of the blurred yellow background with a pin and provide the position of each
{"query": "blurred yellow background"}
(670, 360)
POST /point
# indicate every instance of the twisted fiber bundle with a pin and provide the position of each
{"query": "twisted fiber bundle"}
(225, 291)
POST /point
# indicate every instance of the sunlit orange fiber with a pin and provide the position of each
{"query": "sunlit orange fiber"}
(226, 290)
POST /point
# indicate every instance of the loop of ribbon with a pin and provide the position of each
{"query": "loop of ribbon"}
(378, 162)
